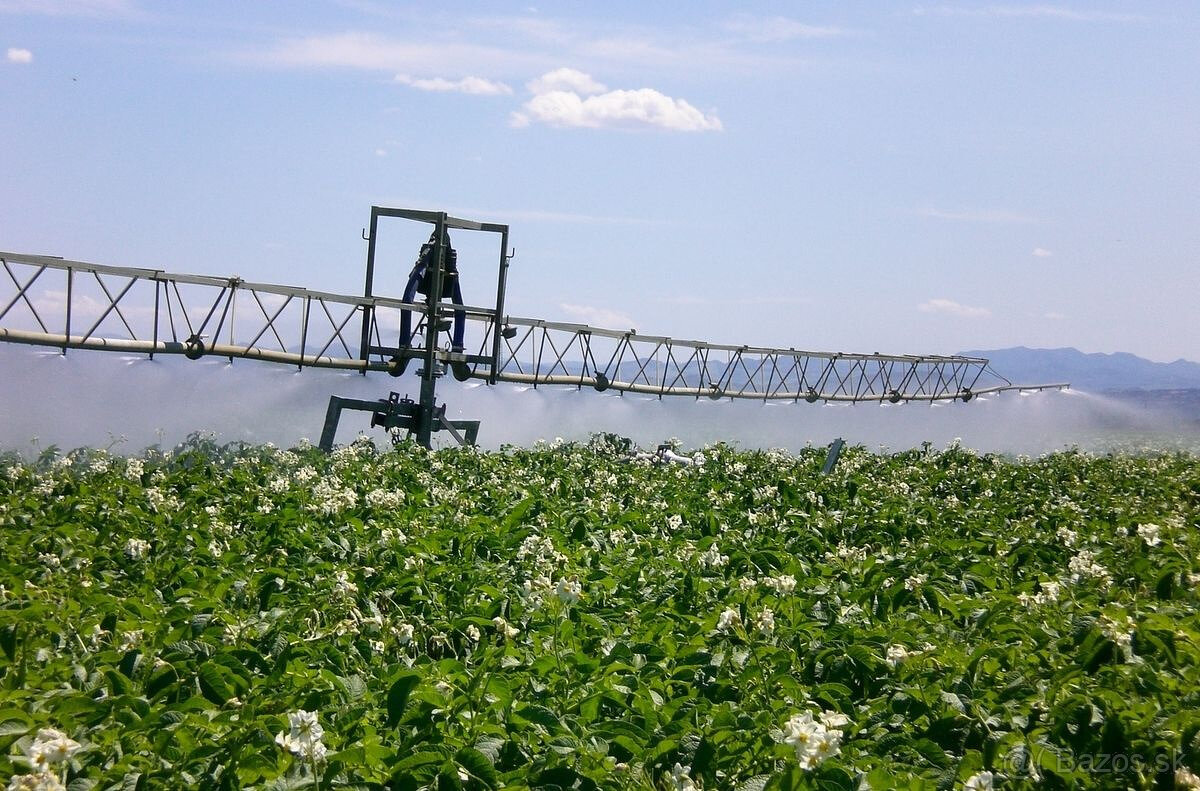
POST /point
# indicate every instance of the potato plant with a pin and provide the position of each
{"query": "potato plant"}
(571, 617)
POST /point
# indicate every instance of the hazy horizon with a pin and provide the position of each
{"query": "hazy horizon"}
(102, 399)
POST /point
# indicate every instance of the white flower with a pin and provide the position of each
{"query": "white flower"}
(42, 781)
(728, 619)
(1048, 593)
(303, 737)
(1185, 778)
(305, 724)
(1083, 564)
(713, 558)
(895, 655)
(404, 633)
(915, 581)
(343, 585)
(765, 621)
(473, 633)
(51, 747)
(1149, 534)
(833, 719)
(505, 628)
(784, 583)
(812, 739)
(130, 639)
(981, 781)
(1120, 630)
(680, 778)
(136, 548)
(568, 591)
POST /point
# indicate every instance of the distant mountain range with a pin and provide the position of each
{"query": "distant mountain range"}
(1098, 373)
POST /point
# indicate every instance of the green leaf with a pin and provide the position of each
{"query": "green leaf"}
(490, 747)
(789, 779)
(931, 752)
(160, 681)
(563, 778)
(756, 783)
(1165, 587)
(478, 766)
(703, 758)
(8, 640)
(212, 683)
(835, 779)
(118, 684)
(15, 727)
(539, 715)
(518, 512)
(420, 759)
(397, 696)
(448, 779)
(130, 662)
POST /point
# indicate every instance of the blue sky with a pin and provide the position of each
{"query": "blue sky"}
(901, 177)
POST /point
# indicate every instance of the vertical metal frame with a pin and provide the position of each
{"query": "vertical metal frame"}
(427, 419)
(442, 222)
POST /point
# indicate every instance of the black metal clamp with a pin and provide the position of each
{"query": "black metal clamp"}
(393, 413)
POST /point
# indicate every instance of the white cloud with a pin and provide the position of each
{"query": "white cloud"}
(565, 79)
(951, 308)
(989, 216)
(520, 46)
(90, 8)
(778, 28)
(19, 55)
(381, 152)
(598, 317)
(643, 107)
(535, 215)
(686, 300)
(1054, 315)
(371, 52)
(1041, 252)
(689, 300)
(476, 86)
(532, 28)
(1029, 12)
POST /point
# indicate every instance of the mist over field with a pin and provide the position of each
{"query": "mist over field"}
(128, 403)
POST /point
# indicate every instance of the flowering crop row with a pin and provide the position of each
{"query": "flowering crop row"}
(571, 617)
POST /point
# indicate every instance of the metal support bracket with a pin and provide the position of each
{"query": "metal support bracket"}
(831, 458)
(395, 412)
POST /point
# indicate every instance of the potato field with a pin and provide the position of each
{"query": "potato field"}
(573, 617)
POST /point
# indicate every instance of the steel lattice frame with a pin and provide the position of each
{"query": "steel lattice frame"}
(53, 302)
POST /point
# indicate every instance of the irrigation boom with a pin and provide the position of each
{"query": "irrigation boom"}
(49, 301)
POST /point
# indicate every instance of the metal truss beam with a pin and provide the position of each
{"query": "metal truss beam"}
(154, 312)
